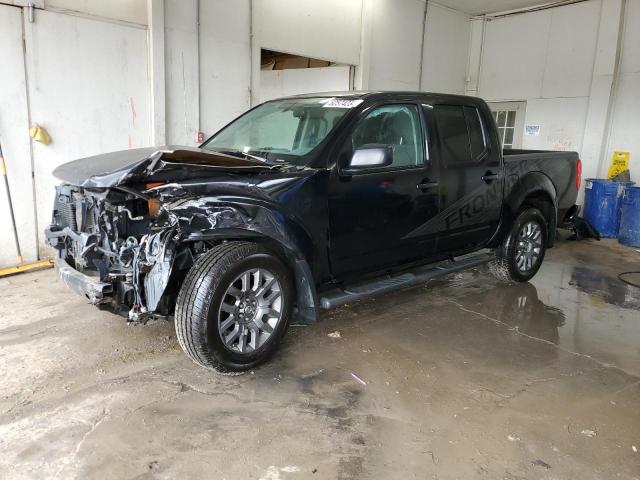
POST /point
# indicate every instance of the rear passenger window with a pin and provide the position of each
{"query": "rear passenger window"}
(461, 134)
(452, 130)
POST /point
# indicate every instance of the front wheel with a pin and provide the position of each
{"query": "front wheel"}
(234, 307)
(519, 257)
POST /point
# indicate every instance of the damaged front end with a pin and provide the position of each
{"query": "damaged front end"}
(128, 226)
(114, 248)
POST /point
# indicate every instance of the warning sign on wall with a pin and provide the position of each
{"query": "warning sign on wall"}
(619, 163)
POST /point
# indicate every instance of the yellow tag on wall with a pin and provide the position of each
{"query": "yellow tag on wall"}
(619, 163)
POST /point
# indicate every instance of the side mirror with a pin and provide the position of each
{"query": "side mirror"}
(369, 157)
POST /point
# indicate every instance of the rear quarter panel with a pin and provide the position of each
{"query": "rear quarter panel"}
(558, 167)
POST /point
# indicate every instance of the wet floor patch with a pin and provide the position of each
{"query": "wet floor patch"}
(460, 378)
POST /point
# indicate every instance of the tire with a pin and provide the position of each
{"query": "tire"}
(217, 300)
(508, 265)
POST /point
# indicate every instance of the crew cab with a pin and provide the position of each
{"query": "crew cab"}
(302, 204)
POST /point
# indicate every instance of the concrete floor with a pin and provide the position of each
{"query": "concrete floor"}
(464, 379)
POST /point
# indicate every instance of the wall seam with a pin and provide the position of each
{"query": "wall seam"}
(481, 61)
(424, 32)
(31, 153)
(539, 8)
(453, 10)
(198, 67)
(606, 139)
(546, 55)
(251, 55)
(97, 18)
(467, 76)
(593, 72)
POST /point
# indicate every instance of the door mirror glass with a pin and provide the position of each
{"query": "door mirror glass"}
(369, 156)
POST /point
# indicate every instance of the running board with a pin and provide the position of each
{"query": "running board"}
(377, 286)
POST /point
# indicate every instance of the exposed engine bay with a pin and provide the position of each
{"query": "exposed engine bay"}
(117, 237)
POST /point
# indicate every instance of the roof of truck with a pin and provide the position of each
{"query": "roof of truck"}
(375, 93)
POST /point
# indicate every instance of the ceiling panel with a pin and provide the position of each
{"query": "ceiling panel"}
(479, 7)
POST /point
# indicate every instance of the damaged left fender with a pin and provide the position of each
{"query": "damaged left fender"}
(196, 222)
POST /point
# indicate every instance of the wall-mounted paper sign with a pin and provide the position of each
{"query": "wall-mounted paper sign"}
(532, 130)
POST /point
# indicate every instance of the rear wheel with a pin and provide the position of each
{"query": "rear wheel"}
(234, 307)
(519, 257)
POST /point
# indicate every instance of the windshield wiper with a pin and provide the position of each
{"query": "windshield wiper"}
(238, 153)
(255, 157)
(270, 149)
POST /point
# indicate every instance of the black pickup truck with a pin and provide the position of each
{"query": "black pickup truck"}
(302, 204)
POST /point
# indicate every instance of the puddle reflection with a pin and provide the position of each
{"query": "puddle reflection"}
(519, 307)
(611, 290)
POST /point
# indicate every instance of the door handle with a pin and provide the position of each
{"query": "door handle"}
(490, 177)
(426, 184)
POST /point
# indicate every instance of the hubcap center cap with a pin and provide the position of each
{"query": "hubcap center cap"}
(247, 308)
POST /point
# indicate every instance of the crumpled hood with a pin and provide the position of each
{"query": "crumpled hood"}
(117, 168)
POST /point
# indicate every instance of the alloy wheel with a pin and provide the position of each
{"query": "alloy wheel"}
(529, 246)
(250, 310)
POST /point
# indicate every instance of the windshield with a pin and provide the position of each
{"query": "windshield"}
(282, 130)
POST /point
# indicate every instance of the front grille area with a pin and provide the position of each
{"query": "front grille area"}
(75, 210)
(65, 213)
(89, 221)
(102, 220)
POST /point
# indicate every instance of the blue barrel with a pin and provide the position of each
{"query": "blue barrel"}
(630, 219)
(602, 204)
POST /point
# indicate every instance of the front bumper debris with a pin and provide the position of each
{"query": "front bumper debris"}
(90, 287)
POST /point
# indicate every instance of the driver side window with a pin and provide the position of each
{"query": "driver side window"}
(397, 126)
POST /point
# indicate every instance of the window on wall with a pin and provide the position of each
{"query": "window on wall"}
(509, 117)
(506, 123)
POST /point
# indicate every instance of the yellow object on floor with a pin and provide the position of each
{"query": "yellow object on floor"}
(4, 272)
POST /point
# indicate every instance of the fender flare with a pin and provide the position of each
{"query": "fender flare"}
(531, 185)
(208, 219)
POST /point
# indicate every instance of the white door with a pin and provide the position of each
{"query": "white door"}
(295, 81)
(509, 118)
(89, 87)
(14, 138)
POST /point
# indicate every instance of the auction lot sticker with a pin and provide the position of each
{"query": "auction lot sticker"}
(342, 103)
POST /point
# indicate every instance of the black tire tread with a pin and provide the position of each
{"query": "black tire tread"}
(499, 268)
(502, 267)
(195, 296)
